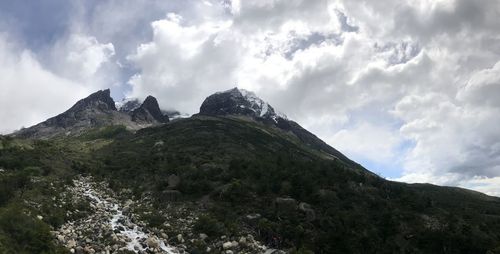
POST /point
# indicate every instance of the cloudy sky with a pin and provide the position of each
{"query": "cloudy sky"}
(408, 88)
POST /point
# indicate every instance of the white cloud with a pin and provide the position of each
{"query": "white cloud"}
(30, 93)
(80, 57)
(483, 88)
(375, 143)
(184, 63)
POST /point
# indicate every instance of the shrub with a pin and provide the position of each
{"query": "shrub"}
(209, 225)
(20, 233)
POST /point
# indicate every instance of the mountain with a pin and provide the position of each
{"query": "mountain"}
(149, 112)
(237, 177)
(95, 111)
(241, 102)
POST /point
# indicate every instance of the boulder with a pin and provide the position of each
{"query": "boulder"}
(180, 238)
(153, 242)
(71, 244)
(203, 236)
(60, 238)
(243, 240)
(227, 245)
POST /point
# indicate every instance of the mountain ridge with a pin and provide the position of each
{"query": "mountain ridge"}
(95, 111)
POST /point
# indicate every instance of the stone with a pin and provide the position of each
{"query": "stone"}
(229, 252)
(153, 242)
(180, 238)
(227, 245)
(250, 238)
(71, 244)
(126, 210)
(159, 143)
(89, 250)
(203, 236)
(254, 216)
(40, 217)
(60, 238)
(79, 250)
(243, 240)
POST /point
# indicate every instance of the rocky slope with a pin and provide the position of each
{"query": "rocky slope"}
(95, 111)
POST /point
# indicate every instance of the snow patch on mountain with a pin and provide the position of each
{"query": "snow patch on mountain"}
(260, 107)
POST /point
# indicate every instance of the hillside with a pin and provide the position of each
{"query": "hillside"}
(223, 182)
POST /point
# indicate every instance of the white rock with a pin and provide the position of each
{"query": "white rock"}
(203, 236)
(71, 243)
(152, 242)
(60, 238)
(243, 240)
(227, 245)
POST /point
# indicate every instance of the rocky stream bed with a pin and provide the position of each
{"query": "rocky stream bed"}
(112, 227)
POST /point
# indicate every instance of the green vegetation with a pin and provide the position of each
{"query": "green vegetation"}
(20, 233)
(107, 132)
(250, 178)
(32, 175)
(244, 167)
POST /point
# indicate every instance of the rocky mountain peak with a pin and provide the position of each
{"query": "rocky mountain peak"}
(149, 111)
(100, 99)
(239, 102)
